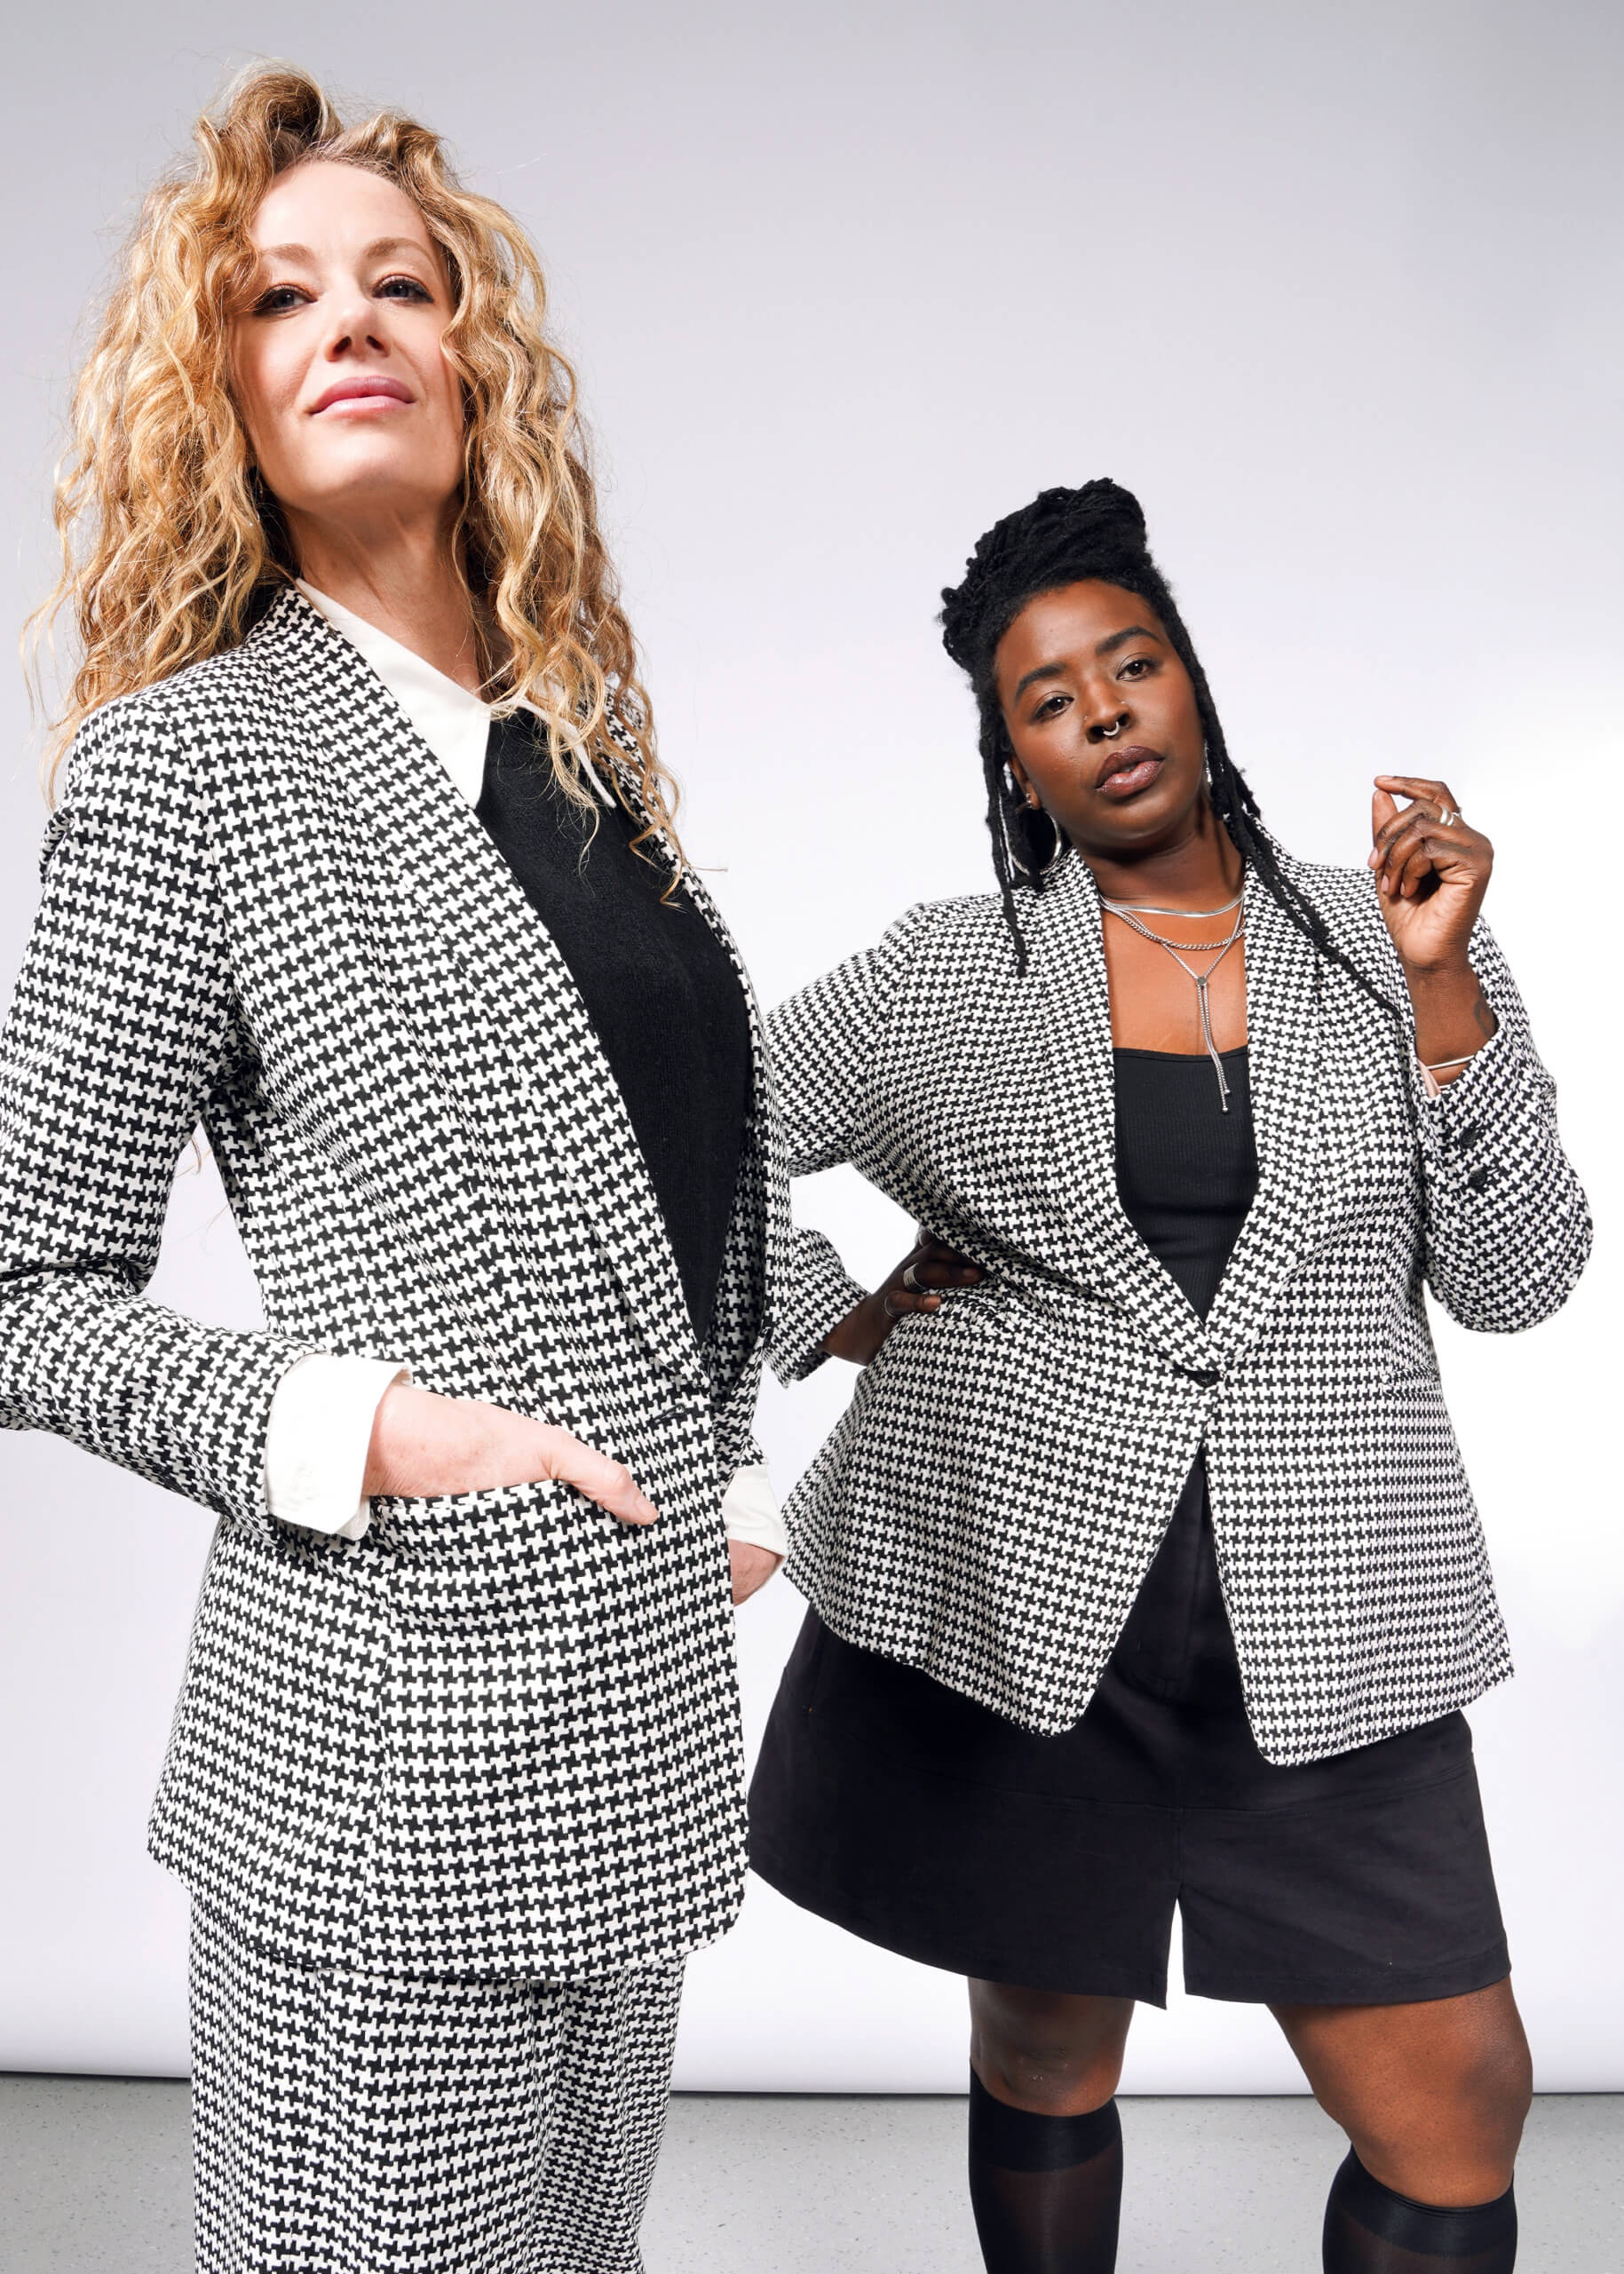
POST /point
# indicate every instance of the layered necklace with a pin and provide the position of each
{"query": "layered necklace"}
(1130, 911)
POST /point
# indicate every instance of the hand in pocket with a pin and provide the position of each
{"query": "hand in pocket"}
(424, 1446)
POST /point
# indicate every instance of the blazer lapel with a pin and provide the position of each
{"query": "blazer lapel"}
(479, 978)
(1068, 962)
(1283, 1047)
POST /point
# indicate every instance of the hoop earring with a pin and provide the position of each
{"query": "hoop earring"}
(1058, 851)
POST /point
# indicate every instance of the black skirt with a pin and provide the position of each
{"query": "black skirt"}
(917, 1819)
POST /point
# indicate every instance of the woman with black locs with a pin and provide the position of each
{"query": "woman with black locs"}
(1143, 1568)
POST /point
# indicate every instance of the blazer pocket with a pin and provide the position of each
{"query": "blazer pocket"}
(531, 1554)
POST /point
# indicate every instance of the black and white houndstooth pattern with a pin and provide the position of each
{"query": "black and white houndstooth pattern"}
(344, 2120)
(989, 1505)
(500, 1734)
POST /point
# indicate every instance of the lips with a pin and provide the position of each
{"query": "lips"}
(1125, 773)
(361, 392)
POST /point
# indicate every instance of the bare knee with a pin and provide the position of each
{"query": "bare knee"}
(1434, 2106)
(1054, 2055)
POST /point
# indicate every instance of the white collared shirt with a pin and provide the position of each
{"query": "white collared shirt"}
(321, 1415)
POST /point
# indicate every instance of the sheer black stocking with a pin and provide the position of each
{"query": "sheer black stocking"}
(1368, 2229)
(1046, 2190)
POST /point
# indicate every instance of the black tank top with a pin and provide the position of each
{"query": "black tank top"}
(1185, 1172)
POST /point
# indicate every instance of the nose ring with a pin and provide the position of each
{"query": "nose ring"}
(1111, 733)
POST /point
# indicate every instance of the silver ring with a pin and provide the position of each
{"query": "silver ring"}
(885, 1306)
(910, 1280)
(1447, 819)
(1110, 733)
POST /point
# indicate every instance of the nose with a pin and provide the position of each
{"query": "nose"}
(1110, 715)
(355, 327)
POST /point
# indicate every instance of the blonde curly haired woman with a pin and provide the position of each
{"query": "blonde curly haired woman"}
(363, 857)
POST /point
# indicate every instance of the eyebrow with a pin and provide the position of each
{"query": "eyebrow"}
(379, 250)
(1107, 648)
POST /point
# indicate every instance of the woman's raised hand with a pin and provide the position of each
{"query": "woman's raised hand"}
(1431, 869)
(916, 1284)
(424, 1445)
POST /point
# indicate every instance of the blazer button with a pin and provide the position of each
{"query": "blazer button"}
(1469, 1134)
(1207, 1376)
(1482, 1177)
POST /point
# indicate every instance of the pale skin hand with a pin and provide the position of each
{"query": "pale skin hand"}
(1432, 880)
(752, 1567)
(424, 1445)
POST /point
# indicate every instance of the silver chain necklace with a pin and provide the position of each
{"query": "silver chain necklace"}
(1129, 912)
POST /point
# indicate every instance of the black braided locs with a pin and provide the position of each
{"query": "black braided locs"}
(1072, 536)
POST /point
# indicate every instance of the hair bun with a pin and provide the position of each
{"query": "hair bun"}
(1100, 504)
(1060, 526)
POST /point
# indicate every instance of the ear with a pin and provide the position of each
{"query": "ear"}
(1023, 781)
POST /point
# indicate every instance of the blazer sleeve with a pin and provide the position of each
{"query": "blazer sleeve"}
(123, 1026)
(1508, 1229)
(824, 1042)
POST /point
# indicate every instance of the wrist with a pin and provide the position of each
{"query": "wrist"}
(859, 1334)
(1440, 973)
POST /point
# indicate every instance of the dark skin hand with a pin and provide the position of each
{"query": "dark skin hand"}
(1106, 736)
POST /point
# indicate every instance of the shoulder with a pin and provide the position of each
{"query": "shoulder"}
(147, 772)
(967, 924)
(1344, 896)
(168, 741)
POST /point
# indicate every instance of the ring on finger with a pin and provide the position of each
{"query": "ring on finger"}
(1449, 817)
(910, 1280)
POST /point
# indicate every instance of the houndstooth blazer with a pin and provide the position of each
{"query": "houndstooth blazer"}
(500, 1733)
(990, 1502)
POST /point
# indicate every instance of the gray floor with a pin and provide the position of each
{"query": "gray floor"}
(93, 2180)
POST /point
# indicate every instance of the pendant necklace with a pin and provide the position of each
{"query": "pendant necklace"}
(1130, 913)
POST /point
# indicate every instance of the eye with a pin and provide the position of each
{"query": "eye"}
(1050, 707)
(279, 298)
(1137, 666)
(403, 288)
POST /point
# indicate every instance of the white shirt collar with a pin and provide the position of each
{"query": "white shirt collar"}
(455, 724)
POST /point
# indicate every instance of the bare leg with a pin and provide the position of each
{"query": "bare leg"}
(1432, 2098)
(1045, 2144)
(1041, 2050)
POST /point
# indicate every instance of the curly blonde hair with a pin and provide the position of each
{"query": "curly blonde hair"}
(171, 546)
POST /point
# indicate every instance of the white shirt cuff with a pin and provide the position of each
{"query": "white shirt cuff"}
(316, 1447)
(749, 1510)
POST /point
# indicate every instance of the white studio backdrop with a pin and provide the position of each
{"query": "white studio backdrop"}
(1336, 291)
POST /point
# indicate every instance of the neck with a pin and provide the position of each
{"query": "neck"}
(401, 580)
(1196, 867)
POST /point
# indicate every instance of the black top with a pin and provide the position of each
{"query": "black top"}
(660, 988)
(1185, 1172)
(1185, 1169)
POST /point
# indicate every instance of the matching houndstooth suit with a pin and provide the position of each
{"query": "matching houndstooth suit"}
(990, 1502)
(486, 1760)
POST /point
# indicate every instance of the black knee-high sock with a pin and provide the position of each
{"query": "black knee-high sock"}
(1368, 2229)
(1047, 2190)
